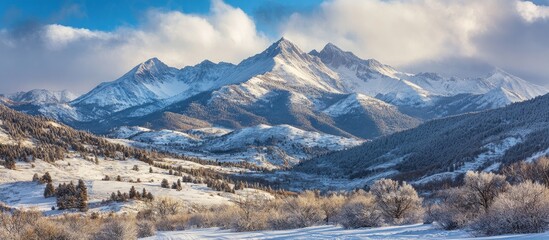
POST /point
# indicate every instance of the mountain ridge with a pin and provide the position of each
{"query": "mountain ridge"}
(285, 81)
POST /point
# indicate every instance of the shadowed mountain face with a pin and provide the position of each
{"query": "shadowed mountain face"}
(331, 91)
(445, 148)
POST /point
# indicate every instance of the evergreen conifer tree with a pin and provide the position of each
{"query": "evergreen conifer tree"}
(49, 191)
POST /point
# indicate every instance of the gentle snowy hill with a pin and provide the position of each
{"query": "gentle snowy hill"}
(269, 146)
(35, 145)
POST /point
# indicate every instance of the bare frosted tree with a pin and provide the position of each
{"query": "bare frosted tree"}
(537, 171)
(304, 210)
(481, 188)
(331, 206)
(399, 203)
(522, 209)
(251, 213)
(359, 211)
(453, 210)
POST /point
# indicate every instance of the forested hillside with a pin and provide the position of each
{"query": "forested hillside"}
(452, 145)
(26, 138)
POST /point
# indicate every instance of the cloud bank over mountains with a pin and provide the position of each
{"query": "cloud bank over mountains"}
(464, 37)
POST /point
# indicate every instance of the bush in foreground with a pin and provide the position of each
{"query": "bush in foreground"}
(117, 229)
(522, 209)
(360, 211)
(399, 203)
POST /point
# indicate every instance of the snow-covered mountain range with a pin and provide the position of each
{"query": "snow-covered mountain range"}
(330, 91)
(39, 97)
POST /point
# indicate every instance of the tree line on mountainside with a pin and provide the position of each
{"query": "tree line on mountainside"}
(435, 146)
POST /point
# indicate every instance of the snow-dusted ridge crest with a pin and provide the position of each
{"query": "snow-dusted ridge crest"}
(40, 97)
(161, 82)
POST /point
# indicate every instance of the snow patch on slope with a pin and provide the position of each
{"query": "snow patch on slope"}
(355, 102)
(270, 146)
(265, 133)
(493, 151)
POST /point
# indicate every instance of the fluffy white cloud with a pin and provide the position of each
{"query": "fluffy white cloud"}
(59, 36)
(57, 57)
(398, 32)
(462, 37)
(433, 35)
(532, 12)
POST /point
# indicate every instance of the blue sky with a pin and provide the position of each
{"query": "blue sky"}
(107, 15)
(76, 45)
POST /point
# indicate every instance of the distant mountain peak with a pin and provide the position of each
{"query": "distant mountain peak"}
(497, 70)
(335, 57)
(206, 63)
(42, 96)
(331, 47)
(282, 46)
(332, 54)
(335, 51)
(149, 71)
(152, 65)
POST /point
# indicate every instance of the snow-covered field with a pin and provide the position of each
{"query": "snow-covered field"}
(17, 190)
(417, 231)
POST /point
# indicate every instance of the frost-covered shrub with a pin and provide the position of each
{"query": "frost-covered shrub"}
(522, 209)
(360, 211)
(117, 229)
(222, 216)
(481, 188)
(257, 221)
(48, 230)
(453, 211)
(82, 226)
(145, 229)
(167, 206)
(251, 214)
(331, 205)
(537, 171)
(172, 222)
(459, 207)
(399, 203)
(200, 220)
(304, 210)
(17, 223)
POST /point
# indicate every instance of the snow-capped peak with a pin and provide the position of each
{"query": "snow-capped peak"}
(206, 63)
(283, 64)
(523, 89)
(150, 70)
(147, 82)
(335, 57)
(285, 49)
